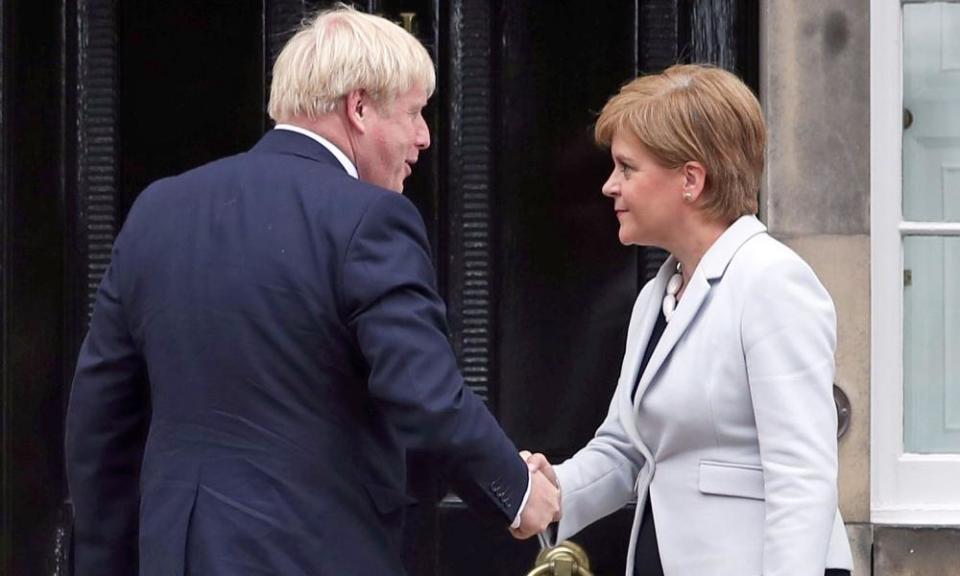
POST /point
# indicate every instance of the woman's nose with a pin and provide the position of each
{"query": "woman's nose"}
(609, 187)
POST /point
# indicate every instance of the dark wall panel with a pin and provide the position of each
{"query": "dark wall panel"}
(32, 292)
(5, 519)
(565, 284)
(191, 86)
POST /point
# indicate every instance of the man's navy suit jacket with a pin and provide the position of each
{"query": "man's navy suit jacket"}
(287, 320)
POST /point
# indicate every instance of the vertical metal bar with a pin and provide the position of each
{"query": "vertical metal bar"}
(73, 321)
(470, 165)
(5, 520)
(658, 35)
(659, 38)
(97, 146)
(90, 183)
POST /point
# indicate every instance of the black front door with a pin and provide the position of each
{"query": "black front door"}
(539, 289)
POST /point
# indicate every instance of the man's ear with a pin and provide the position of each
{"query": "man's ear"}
(356, 104)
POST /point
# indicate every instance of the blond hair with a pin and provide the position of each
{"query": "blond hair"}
(341, 50)
(696, 113)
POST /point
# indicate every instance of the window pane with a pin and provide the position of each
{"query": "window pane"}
(931, 99)
(931, 344)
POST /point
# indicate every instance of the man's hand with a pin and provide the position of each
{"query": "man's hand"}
(543, 505)
(539, 463)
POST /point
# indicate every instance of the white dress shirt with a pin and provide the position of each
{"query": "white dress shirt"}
(339, 155)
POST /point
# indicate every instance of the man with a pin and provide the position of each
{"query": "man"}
(282, 303)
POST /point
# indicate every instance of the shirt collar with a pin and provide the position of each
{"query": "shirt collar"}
(340, 156)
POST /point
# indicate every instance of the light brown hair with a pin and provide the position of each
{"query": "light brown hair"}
(695, 112)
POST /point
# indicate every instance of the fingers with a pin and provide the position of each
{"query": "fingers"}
(542, 507)
(539, 463)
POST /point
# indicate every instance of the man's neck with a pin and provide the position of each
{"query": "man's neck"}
(326, 133)
(329, 127)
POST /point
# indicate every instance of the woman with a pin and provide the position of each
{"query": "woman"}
(723, 423)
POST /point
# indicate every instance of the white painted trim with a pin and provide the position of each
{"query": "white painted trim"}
(905, 488)
(930, 228)
(916, 516)
(910, 458)
(886, 393)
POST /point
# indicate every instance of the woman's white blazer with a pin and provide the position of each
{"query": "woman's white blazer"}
(733, 426)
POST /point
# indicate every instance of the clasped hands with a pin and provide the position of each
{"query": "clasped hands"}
(543, 504)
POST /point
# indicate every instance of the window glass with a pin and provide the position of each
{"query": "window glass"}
(931, 194)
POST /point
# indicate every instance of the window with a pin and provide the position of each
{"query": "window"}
(915, 261)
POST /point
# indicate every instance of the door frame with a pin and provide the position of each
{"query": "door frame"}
(906, 488)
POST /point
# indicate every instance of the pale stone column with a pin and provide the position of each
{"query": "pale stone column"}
(814, 86)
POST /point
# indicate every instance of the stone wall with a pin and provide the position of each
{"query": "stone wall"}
(815, 89)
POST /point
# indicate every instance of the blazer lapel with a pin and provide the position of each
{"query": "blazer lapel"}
(686, 311)
(711, 267)
(644, 318)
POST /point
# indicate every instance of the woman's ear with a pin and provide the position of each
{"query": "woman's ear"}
(694, 180)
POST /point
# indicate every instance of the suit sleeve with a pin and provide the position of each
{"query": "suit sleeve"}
(391, 304)
(789, 337)
(106, 420)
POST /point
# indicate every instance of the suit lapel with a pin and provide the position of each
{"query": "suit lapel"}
(686, 311)
(644, 318)
(647, 317)
(711, 268)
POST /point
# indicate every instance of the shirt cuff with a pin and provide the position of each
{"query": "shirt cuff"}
(516, 521)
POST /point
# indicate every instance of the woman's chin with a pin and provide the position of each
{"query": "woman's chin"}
(626, 238)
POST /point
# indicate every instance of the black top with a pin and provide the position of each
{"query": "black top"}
(658, 329)
(647, 557)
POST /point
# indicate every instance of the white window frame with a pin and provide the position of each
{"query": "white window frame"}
(906, 488)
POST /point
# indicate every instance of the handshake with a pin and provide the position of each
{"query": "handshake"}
(543, 504)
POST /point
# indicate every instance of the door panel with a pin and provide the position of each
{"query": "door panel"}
(174, 112)
(931, 193)
(31, 292)
(531, 241)
(538, 288)
(565, 285)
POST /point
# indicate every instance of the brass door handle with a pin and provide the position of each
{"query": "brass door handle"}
(565, 559)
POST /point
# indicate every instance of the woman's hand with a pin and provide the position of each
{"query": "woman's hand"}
(539, 463)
